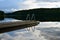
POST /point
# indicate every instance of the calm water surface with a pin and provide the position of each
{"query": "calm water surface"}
(42, 31)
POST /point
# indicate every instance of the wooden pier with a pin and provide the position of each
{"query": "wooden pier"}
(10, 26)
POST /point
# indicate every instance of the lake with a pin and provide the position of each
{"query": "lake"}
(42, 31)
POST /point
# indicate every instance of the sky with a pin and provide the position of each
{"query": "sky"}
(14, 5)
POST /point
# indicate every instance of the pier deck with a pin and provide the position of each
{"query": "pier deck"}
(10, 26)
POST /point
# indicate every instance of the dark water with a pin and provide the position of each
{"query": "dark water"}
(43, 31)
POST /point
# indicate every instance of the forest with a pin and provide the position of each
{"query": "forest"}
(1, 15)
(41, 14)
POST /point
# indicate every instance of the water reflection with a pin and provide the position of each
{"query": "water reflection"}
(43, 31)
(9, 20)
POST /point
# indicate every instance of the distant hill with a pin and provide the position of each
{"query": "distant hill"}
(41, 14)
(1, 15)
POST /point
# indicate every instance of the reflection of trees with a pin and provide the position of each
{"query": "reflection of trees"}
(1, 15)
(41, 14)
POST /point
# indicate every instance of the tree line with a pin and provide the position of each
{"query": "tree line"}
(1, 15)
(41, 14)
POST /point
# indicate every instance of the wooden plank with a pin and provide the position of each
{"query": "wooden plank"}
(6, 27)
